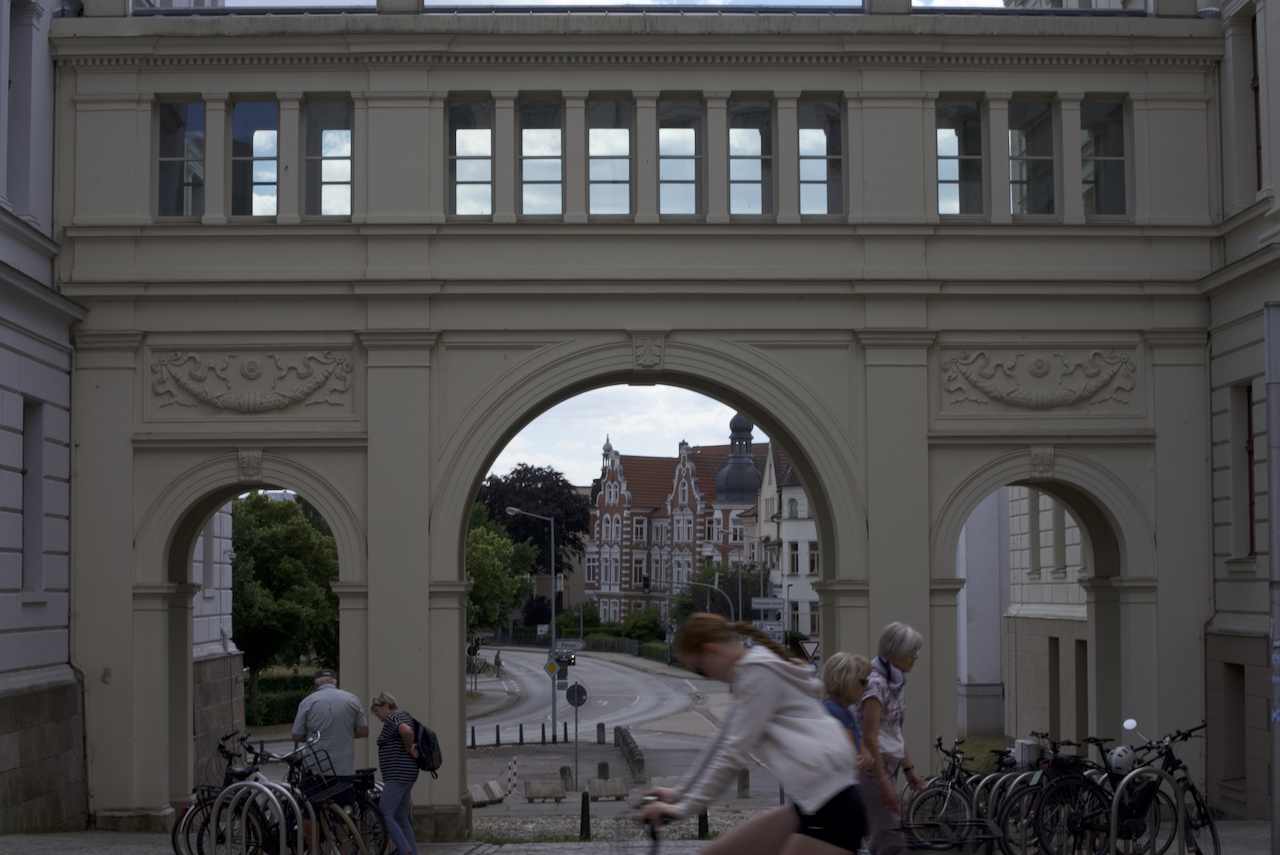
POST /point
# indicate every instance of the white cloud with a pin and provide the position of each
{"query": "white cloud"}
(640, 420)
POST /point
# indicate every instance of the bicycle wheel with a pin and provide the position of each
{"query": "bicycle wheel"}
(1073, 817)
(183, 835)
(242, 832)
(1160, 819)
(938, 816)
(1017, 822)
(372, 825)
(1202, 833)
(338, 833)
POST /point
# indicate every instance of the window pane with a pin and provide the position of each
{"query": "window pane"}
(541, 199)
(608, 114)
(246, 118)
(813, 170)
(948, 198)
(474, 200)
(948, 143)
(1030, 128)
(948, 169)
(264, 172)
(335, 143)
(540, 143)
(604, 141)
(182, 130)
(744, 199)
(744, 170)
(264, 200)
(610, 169)
(542, 170)
(813, 142)
(677, 141)
(813, 198)
(181, 189)
(677, 199)
(824, 116)
(964, 120)
(971, 186)
(336, 170)
(335, 199)
(539, 114)
(264, 143)
(474, 170)
(1106, 192)
(610, 199)
(472, 143)
(469, 114)
(677, 169)
(1102, 125)
(1031, 186)
(744, 142)
(241, 188)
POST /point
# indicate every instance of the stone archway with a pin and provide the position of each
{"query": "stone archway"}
(1121, 590)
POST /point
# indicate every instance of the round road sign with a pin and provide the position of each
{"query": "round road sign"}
(577, 694)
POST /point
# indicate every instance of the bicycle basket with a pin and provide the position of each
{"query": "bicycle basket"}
(318, 782)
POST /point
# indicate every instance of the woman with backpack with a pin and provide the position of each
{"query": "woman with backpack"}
(398, 760)
(775, 714)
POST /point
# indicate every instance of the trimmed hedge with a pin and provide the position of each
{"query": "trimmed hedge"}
(287, 683)
(655, 650)
(275, 707)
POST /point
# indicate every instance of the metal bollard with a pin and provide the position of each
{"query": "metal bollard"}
(584, 825)
(566, 778)
(602, 770)
(566, 733)
(522, 734)
(782, 797)
(744, 784)
(599, 733)
(702, 825)
(544, 733)
(473, 736)
(497, 734)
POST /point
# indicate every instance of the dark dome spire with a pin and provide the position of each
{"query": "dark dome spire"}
(739, 481)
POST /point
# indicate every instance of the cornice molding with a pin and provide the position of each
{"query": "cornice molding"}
(398, 339)
(896, 337)
(116, 340)
(927, 60)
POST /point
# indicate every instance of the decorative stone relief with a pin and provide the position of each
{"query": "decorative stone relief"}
(648, 351)
(246, 384)
(1041, 380)
(250, 466)
(1041, 462)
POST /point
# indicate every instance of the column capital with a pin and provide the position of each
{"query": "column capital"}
(575, 95)
(504, 96)
(283, 98)
(401, 339)
(896, 338)
(645, 94)
(1068, 97)
(215, 100)
(991, 97)
(779, 97)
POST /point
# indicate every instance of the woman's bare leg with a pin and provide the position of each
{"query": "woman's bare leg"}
(765, 835)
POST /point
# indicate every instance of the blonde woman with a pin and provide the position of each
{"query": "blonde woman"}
(880, 714)
(774, 714)
(398, 761)
(844, 677)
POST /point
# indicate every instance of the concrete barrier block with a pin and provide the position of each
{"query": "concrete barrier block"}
(479, 798)
(613, 788)
(495, 793)
(544, 790)
(668, 781)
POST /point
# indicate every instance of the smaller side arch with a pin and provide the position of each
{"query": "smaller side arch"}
(171, 523)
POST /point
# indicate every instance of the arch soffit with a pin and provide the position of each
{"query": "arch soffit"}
(558, 371)
(1075, 479)
(179, 512)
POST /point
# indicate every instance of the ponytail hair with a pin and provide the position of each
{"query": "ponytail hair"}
(703, 628)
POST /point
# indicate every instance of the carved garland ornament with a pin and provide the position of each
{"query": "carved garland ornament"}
(970, 375)
(327, 373)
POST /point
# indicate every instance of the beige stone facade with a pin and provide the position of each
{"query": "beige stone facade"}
(1055, 330)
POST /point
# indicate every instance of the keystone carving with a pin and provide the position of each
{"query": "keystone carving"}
(648, 351)
(250, 466)
(321, 377)
(1041, 462)
(1042, 381)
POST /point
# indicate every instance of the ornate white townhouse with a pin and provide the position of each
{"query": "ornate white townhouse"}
(931, 254)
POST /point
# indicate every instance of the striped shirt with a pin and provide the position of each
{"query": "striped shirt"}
(396, 763)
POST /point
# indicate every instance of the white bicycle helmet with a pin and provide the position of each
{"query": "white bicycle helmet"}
(1122, 759)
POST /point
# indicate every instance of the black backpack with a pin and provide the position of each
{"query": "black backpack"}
(428, 758)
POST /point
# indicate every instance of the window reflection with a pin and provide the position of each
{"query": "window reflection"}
(253, 159)
(750, 157)
(540, 153)
(609, 157)
(679, 157)
(470, 158)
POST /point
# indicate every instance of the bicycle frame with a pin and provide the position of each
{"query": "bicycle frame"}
(1119, 798)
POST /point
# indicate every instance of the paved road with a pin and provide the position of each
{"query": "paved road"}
(617, 695)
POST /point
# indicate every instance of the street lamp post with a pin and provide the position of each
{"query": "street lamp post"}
(552, 522)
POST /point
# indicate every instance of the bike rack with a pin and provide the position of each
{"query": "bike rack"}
(239, 795)
(1178, 806)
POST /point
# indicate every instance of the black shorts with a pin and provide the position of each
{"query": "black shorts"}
(842, 821)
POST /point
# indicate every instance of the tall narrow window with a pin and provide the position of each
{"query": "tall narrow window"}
(254, 159)
(750, 157)
(1102, 157)
(33, 458)
(679, 157)
(471, 158)
(1257, 107)
(959, 157)
(181, 180)
(821, 172)
(793, 557)
(329, 158)
(1244, 511)
(814, 564)
(1031, 157)
(609, 153)
(541, 168)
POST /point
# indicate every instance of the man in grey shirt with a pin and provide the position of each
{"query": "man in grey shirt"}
(339, 718)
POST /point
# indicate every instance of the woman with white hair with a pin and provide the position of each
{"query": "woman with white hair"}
(880, 715)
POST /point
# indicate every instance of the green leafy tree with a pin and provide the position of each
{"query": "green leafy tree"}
(498, 570)
(282, 607)
(698, 599)
(645, 625)
(543, 491)
(567, 621)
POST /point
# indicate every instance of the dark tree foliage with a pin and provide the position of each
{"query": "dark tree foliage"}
(696, 598)
(313, 516)
(569, 621)
(281, 604)
(645, 625)
(544, 491)
(536, 610)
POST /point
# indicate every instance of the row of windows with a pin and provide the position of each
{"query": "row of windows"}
(610, 166)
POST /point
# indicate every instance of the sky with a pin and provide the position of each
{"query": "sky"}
(642, 420)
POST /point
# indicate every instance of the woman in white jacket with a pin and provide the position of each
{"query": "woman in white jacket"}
(775, 714)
